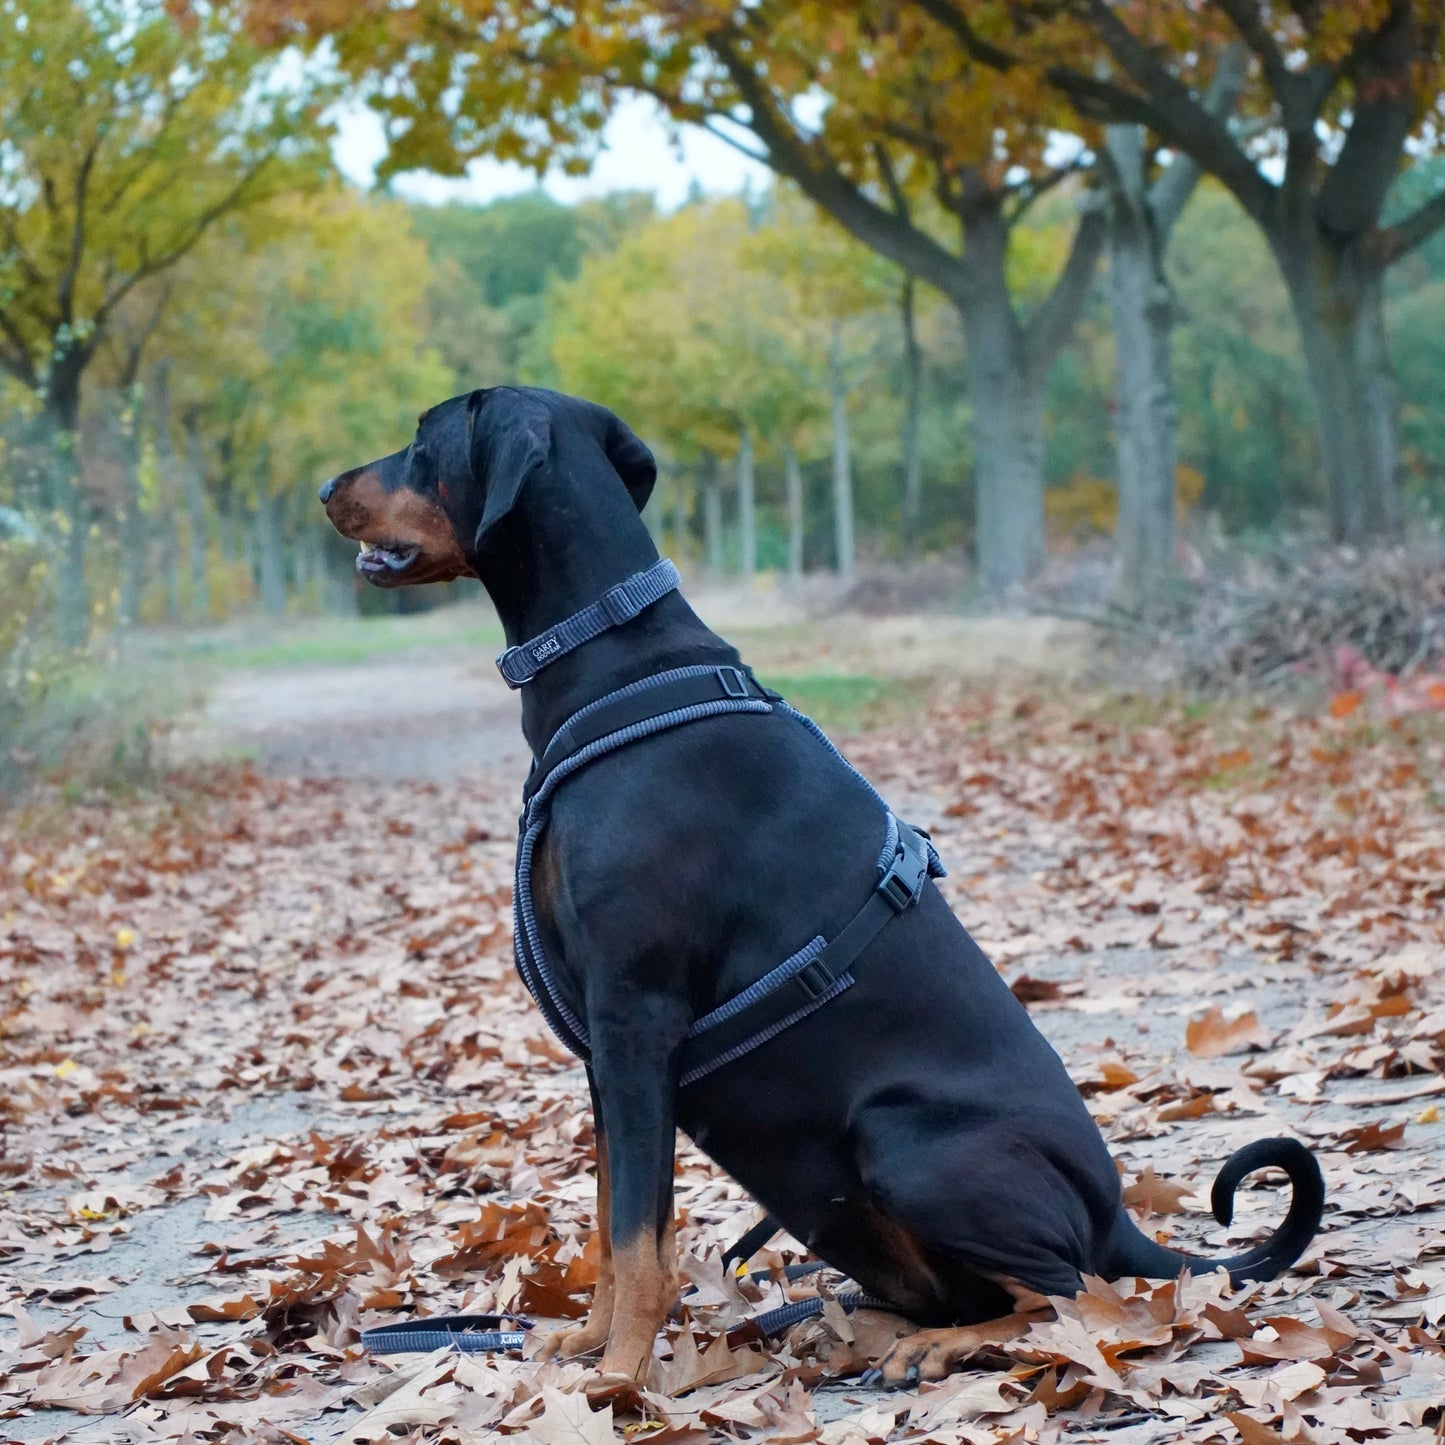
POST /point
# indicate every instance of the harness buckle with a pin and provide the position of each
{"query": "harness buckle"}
(903, 882)
(734, 681)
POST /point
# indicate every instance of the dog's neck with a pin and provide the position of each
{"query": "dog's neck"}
(560, 551)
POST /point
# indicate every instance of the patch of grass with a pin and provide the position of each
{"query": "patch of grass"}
(337, 641)
(93, 728)
(851, 702)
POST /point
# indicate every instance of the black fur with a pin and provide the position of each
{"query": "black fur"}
(918, 1132)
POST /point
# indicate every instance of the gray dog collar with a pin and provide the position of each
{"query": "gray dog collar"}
(519, 665)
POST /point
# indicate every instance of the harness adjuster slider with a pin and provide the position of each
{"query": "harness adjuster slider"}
(617, 603)
(814, 979)
(734, 681)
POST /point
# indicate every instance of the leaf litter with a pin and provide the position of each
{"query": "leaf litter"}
(284, 1012)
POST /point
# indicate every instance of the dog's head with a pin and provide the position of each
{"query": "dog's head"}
(430, 513)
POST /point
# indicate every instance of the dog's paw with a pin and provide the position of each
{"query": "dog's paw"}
(927, 1355)
(932, 1354)
(620, 1391)
(572, 1343)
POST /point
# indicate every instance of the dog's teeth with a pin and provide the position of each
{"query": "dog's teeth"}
(366, 547)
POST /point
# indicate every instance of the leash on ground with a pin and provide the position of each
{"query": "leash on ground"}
(485, 1334)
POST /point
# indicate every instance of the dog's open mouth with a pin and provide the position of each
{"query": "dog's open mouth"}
(384, 562)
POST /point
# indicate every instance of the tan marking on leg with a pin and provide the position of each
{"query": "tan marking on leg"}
(645, 1289)
(932, 1354)
(592, 1335)
(1024, 1298)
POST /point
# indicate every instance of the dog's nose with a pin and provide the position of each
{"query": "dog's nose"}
(326, 490)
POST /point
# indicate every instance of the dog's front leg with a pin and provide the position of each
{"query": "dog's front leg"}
(631, 1059)
(592, 1335)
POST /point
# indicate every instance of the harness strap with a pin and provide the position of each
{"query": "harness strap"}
(628, 707)
(729, 1032)
(815, 974)
(519, 665)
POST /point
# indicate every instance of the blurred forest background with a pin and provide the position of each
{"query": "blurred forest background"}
(1042, 308)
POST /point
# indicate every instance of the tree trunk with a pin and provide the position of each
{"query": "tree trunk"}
(193, 480)
(61, 420)
(1007, 405)
(1146, 416)
(1338, 302)
(793, 482)
(912, 420)
(712, 514)
(133, 548)
(842, 470)
(747, 504)
(271, 552)
(680, 515)
(167, 502)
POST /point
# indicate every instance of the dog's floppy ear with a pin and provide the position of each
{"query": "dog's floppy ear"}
(508, 439)
(633, 462)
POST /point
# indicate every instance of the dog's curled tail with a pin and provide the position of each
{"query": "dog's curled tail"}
(1135, 1253)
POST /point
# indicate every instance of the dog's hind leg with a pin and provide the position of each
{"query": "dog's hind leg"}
(1001, 1223)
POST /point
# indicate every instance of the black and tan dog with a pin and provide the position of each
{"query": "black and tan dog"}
(917, 1131)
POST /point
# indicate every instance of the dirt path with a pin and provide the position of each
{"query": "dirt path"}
(435, 716)
(440, 712)
(270, 1078)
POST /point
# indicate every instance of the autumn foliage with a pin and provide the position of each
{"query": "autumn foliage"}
(285, 1012)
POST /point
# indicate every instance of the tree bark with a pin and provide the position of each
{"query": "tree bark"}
(1008, 365)
(167, 502)
(712, 514)
(747, 504)
(1006, 402)
(842, 468)
(1146, 415)
(270, 548)
(133, 547)
(912, 420)
(61, 420)
(193, 480)
(1338, 300)
(680, 517)
(793, 483)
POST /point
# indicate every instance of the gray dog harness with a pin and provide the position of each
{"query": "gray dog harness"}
(820, 970)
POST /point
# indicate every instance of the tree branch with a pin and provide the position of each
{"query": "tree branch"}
(952, 18)
(17, 361)
(1352, 196)
(152, 265)
(1036, 187)
(1394, 242)
(65, 284)
(710, 126)
(1169, 109)
(1051, 325)
(791, 155)
(1171, 191)
(135, 350)
(1246, 18)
